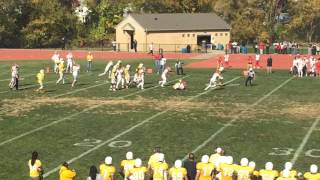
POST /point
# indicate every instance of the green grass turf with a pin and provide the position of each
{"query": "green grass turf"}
(279, 121)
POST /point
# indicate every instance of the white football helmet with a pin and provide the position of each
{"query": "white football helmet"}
(205, 159)
(313, 168)
(108, 160)
(129, 155)
(286, 173)
(161, 157)
(269, 166)
(178, 164)
(218, 150)
(244, 162)
(288, 166)
(252, 164)
(229, 160)
(138, 163)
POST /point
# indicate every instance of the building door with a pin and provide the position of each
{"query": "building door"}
(202, 38)
(131, 39)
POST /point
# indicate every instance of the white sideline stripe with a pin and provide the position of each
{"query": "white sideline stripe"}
(73, 115)
(304, 141)
(130, 129)
(237, 117)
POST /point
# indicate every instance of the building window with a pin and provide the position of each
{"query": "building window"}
(226, 34)
(188, 35)
(182, 35)
(221, 34)
(216, 34)
(193, 35)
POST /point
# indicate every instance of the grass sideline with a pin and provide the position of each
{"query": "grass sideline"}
(269, 131)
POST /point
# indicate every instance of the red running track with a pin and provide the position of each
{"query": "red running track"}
(239, 61)
(38, 54)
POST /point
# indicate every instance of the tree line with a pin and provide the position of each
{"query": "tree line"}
(52, 23)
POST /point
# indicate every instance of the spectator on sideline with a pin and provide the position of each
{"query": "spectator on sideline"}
(191, 165)
(66, 173)
(269, 65)
(114, 45)
(35, 167)
(162, 62)
(151, 48)
(156, 59)
(250, 62)
(89, 61)
(94, 174)
(257, 64)
(135, 45)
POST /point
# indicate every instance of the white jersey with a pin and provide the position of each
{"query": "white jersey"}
(215, 77)
(55, 58)
(119, 73)
(257, 57)
(226, 58)
(75, 70)
(300, 63)
(164, 73)
(69, 58)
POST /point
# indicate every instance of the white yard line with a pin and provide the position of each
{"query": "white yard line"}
(237, 117)
(28, 86)
(78, 90)
(304, 141)
(74, 115)
(130, 129)
(28, 75)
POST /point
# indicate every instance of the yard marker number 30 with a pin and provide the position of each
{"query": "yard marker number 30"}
(314, 153)
(94, 142)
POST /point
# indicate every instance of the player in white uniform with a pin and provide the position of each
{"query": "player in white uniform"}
(56, 60)
(14, 77)
(300, 65)
(69, 58)
(120, 78)
(216, 79)
(139, 76)
(75, 73)
(107, 69)
(164, 76)
(226, 60)
(312, 64)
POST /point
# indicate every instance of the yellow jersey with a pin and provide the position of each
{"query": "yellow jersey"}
(244, 172)
(138, 173)
(159, 170)
(293, 173)
(310, 176)
(227, 171)
(268, 174)
(107, 171)
(127, 165)
(89, 57)
(61, 67)
(126, 74)
(214, 157)
(205, 170)
(34, 169)
(40, 77)
(177, 173)
(66, 174)
(153, 159)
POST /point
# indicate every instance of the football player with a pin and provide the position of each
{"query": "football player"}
(61, 71)
(56, 60)
(154, 157)
(216, 79)
(205, 169)
(180, 85)
(159, 169)
(214, 157)
(140, 76)
(313, 174)
(288, 166)
(178, 172)
(227, 168)
(14, 82)
(139, 172)
(107, 170)
(127, 75)
(107, 69)
(268, 173)
(285, 175)
(243, 171)
(40, 79)
(127, 164)
(120, 77)
(69, 58)
(164, 76)
(255, 173)
(75, 73)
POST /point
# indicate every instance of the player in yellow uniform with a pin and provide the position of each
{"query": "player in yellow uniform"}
(243, 171)
(204, 169)
(61, 71)
(288, 166)
(178, 172)
(214, 157)
(159, 169)
(138, 172)
(127, 75)
(268, 173)
(66, 173)
(227, 168)
(255, 173)
(40, 79)
(286, 175)
(313, 174)
(154, 157)
(107, 170)
(127, 164)
(89, 61)
(35, 167)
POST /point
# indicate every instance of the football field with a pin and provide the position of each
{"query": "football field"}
(275, 120)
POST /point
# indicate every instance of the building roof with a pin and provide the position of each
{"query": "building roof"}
(181, 22)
